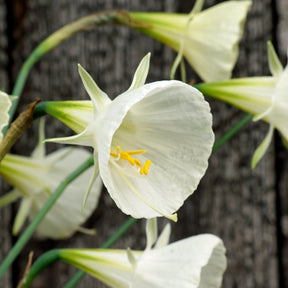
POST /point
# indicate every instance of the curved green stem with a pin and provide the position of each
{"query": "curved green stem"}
(83, 24)
(33, 225)
(247, 118)
(51, 256)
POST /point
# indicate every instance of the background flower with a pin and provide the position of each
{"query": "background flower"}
(35, 178)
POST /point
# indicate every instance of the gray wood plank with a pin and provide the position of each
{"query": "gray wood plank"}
(5, 213)
(232, 201)
(282, 156)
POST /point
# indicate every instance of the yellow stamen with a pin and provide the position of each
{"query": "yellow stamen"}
(139, 166)
(126, 155)
(134, 152)
(146, 166)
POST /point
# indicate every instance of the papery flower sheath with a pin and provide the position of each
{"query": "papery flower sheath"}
(35, 178)
(194, 262)
(207, 39)
(265, 97)
(5, 104)
(151, 144)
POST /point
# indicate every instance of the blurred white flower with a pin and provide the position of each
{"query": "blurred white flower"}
(35, 178)
(207, 39)
(265, 97)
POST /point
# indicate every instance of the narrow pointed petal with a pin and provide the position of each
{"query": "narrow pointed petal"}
(275, 65)
(39, 151)
(261, 150)
(98, 97)
(94, 178)
(21, 215)
(151, 232)
(141, 73)
(5, 104)
(85, 138)
(163, 239)
(197, 7)
(10, 197)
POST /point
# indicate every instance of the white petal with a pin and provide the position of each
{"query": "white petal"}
(197, 7)
(21, 215)
(212, 40)
(275, 65)
(5, 104)
(151, 232)
(172, 121)
(263, 147)
(141, 73)
(164, 237)
(39, 151)
(98, 97)
(85, 138)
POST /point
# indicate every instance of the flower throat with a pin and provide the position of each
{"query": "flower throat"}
(126, 155)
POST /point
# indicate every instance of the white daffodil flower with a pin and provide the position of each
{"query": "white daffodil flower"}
(151, 144)
(207, 39)
(5, 104)
(36, 178)
(197, 261)
(265, 97)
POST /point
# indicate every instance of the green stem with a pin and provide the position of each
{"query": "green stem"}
(33, 225)
(83, 24)
(49, 257)
(231, 132)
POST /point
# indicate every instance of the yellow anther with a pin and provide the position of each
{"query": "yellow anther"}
(146, 166)
(113, 153)
(134, 152)
(126, 155)
(139, 166)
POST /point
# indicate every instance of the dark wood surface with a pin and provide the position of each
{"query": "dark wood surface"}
(247, 209)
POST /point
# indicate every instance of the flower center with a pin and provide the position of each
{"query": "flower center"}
(126, 155)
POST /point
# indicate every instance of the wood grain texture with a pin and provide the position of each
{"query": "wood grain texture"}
(5, 214)
(281, 17)
(233, 202)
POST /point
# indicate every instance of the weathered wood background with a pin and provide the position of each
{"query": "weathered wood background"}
(247, 209)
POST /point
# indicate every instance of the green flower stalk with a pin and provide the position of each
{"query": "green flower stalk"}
(207, 39)
(197, 261)
(35, 178)
(151, 144)
(265, 97)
